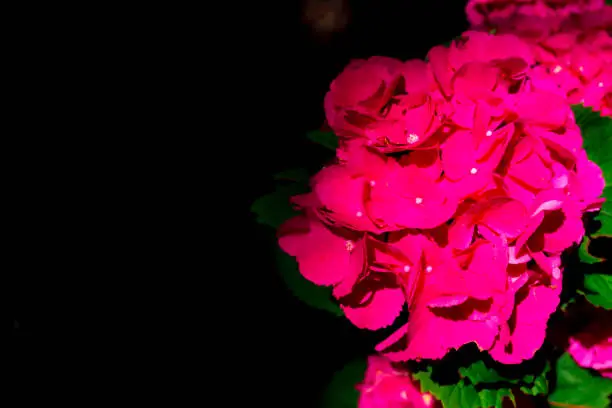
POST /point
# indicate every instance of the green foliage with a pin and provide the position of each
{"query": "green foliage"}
(578, 387)
(313, 295)
(584, 255)
(327, 139)
(598, 289)
(605, 215)
(597, 135)
(481, 386)
(463, 394)
(272, 210)
(342, 392)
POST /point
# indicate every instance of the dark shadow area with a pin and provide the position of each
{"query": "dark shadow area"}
(72, 310)
(305, 346)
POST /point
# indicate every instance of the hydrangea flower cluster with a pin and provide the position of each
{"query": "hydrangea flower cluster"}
(570, 40)
(492, 12)
(458, 183)
(385, 386)
(592, 348)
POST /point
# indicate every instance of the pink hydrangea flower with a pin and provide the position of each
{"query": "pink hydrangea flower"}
(368, 191)
(592, 348)
(570, 42)
(457, 186)
(394, 107)
(385, 386)
(489, 11)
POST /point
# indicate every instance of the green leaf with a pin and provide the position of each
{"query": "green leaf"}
(342, 391)
(605, 215)
(584, 255)
(297, 175)
(482, 386)
(327, 139)
(577, 387)
(273, 209)
(597, 136)
(319, 297)
(479, 373)
(600, 288)
(463, 394)
(539, 386)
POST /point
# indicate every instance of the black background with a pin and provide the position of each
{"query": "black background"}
(94, 315)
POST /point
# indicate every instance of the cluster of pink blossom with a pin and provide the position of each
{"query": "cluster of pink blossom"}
(458, 184)
(385, 386)
(492, 12)
(592, 348)
(570, 41)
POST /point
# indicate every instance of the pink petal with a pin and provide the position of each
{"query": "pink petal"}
(292, 234)
(475, 80)
(438, 61)
(431, 333)
(456, 159)
(545, 109)
(534, 307)
(357, 267)
(343, 196)
(323, 257)
(506, 216)
(380, 311)
(447, 301)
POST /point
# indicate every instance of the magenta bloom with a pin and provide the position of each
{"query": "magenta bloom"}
(449, 292)
(387, 387)
(383, 102)
(491, 11)
(592, 348)
(569, 40)
(325, 256)
(457, 186)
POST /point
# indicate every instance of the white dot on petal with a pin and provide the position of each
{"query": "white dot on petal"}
(407, 268)
(412, 138)
(350, 245)
(581, 68)
(557, 69)
(556, 272)
(372, 183)
(489, 133)
(600, 84)
(474, 170)
(429, 269)
(404, 395)
(359, 214)
(418, 200)
(427, 399)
